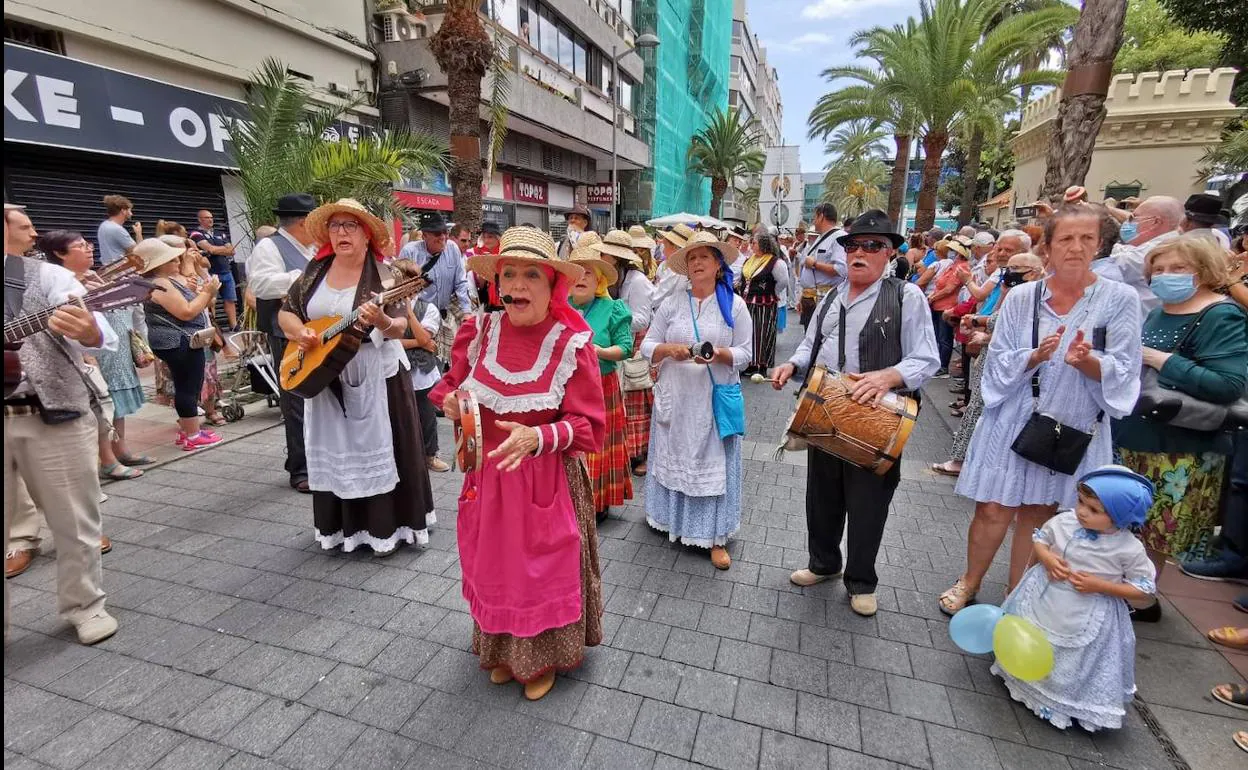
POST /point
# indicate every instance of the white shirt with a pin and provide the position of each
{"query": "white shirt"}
(638, 293)
(267, 275)
(826, 251)
(669, 284)
(919, 357)
(430, 323)
(1130, 260)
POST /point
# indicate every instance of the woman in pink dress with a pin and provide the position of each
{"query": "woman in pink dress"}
(527, 539)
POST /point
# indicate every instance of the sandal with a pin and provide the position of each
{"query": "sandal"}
(956, 412)
(1240, 603)
(1241, 739)
(958, 596)
(640, 470)
(133, 460)
(215, 420)
(1233, 695)
(119, 472)
(946, 468)
(1229, 636)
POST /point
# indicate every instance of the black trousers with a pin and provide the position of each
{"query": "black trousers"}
(836, 491)
(428, 422)
(186, 369)
(292, 418)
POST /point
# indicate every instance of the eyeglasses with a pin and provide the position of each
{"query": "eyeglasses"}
(348, 226)
(868, 247)
(84, 245)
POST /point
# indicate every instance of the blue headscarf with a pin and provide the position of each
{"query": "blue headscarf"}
(1126, 495)
(723, 289)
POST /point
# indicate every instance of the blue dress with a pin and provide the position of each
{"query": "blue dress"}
(1093, 673)
(117, 366)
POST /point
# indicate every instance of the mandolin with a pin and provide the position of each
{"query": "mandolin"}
(120, 293)
(307, 372)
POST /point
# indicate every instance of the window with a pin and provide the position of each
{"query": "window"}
(548, 35)
(626, 11)
(33, 37)
(1120, 190)
(625, 98)
(736, 65)
(567, 56)
(738, 31)
(578, 58)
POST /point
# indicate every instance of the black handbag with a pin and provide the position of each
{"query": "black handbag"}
(1043, 440)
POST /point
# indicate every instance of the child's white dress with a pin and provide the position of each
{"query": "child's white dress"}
(1093, 643)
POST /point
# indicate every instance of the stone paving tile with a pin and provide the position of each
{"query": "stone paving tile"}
(318, 742)
(652, 677)
(84, 740)
(726, 744)
(894, 737)
(707, 691)
(607, 712)
(665, 728)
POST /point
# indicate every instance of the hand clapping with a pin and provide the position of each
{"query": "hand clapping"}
(1079, 351)
(1048, 346)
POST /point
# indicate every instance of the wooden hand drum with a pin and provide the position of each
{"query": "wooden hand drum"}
(469, 447)
(870, 437)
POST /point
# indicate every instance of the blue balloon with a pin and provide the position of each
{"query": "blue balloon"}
(972, 627)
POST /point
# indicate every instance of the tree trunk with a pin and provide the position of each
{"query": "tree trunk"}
(463, 51)
(934, 144)
(901, 175)
(970, 177)
(719, 186)
(1098, 36)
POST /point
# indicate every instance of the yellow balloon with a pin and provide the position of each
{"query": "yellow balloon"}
(1022, 649)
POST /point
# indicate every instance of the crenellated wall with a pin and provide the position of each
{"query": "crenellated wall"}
(1156, 127)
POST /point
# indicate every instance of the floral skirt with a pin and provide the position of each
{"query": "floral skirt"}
(559, 649)
(609, 475)
(1185, 507)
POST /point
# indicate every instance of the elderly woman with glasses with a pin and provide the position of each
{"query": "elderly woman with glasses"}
(693, 488)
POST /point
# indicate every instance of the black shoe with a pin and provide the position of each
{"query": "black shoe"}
(1149, 614)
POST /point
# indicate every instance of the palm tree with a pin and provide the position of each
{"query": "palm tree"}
(747, 198)
(858, 138)
(465, 52)
(724, 149)
(855, 184)
(1055, 43)
(1098, 36)
(866, 101)
(937, 65)
(280, 143)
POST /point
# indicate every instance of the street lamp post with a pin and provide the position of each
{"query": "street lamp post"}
(646, 40)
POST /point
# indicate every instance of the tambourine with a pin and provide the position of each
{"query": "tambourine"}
(469, 448)
(703, 351)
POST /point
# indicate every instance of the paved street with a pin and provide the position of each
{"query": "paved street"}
(242, 645)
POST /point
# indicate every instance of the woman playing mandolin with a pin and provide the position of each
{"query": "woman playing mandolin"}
(527, 539)
(366, 465)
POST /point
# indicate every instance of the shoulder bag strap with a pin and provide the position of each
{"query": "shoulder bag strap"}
(14, 286)
(1035, 343)
(823, 314)
(697, 336)
(1191, 327)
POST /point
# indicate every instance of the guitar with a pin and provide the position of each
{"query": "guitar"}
(307, 372)
(130, 263)
(121, 293)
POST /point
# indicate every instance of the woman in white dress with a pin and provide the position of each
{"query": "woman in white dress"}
(693, 488)
(1088, 363)
(366, 460)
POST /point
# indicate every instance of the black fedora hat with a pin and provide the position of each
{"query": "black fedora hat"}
(433, 222)
(872, 222)
(294, 205)
(1205, 209)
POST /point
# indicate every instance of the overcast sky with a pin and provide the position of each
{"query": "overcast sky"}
(802, 37)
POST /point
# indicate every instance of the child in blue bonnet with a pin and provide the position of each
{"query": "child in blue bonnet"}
(1090, 565)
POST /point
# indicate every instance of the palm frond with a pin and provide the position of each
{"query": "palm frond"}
(500, 95)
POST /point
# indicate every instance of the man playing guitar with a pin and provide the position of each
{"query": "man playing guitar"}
(50, 431)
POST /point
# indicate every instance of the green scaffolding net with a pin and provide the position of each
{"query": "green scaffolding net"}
(686, 82)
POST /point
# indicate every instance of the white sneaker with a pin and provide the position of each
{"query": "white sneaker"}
(97, 628)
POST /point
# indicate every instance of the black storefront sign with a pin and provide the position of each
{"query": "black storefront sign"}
(1024, 212)
(61, 102)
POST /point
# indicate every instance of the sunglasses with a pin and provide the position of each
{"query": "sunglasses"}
(868, 247)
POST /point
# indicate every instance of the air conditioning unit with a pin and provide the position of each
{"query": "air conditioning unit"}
(398, 26)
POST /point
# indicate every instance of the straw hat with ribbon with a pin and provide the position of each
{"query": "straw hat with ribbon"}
(619, 244)
(678, 234)
(586, 255)
(640, 239)
(678, 262)
(318, 222)
(524, 244)
(961, 244)
(155, 252)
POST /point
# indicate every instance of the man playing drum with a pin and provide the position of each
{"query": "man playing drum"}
(878, 332)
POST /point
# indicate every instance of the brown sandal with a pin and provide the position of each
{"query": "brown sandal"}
(958, 596)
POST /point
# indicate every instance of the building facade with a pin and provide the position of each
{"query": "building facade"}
(754, 89)
(558, 148)
(686, 83)
(813, 189)
(1157, 125)
(81, 122)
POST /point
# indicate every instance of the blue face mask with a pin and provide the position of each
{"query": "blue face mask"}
(1172, 288)
(1128, 230)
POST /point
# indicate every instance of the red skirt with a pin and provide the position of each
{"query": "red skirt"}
(609, 476)
(637, 407)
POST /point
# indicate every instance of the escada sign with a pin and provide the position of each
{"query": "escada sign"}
(61, 102)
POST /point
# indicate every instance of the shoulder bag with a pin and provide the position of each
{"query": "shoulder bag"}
(727, 401)
(635, 373)
(1043, 440)
(1157, 403)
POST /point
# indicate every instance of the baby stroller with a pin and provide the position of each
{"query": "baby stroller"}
(254, 376)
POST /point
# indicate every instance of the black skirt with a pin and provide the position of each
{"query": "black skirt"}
(383, 521)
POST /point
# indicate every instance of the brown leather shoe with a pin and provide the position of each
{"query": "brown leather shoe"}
(720, 558)
(106, 545)
(17, 562)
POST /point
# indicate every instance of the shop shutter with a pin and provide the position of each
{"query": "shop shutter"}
(64, 189)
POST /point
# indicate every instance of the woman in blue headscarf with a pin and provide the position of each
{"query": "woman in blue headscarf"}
(697, 338)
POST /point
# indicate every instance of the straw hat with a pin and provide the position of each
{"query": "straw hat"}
(640, 239)
(961, 244)
(618, 244)
(586, 255)
(318, 222)
(155, 252)
(677, 262)
(524, 244)
(678, 235)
